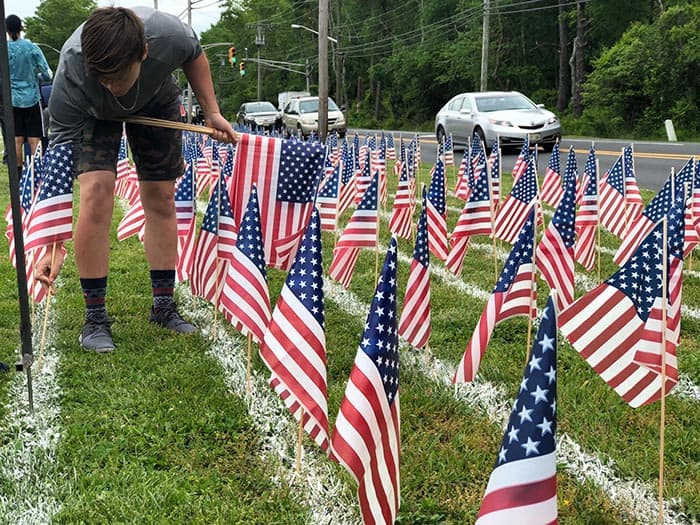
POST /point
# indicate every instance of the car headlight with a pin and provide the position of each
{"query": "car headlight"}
(501, 123)
(553, 120)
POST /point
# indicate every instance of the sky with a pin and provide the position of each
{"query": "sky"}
(205, 13)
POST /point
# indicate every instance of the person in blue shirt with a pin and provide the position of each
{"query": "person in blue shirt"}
(27, 66)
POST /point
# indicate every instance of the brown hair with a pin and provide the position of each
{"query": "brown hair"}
(112, 39)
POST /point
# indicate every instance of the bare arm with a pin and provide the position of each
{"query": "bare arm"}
(199, 75)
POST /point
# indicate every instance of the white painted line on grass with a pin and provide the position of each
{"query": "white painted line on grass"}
(633, 498)
(28, 441)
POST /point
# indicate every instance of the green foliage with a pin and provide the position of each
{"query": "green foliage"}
(54, 21)
(648, 76)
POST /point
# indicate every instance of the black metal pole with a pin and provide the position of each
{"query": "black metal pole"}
(25, 324)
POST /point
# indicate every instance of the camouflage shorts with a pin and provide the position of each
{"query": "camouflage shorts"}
(157, 152)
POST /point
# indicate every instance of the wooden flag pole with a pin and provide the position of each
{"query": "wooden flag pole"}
(664, 320)
(46, 312)
(161, 123)
(248, 365)
(300, 438)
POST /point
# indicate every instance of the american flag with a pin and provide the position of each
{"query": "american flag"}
(185, 252)
(464, 177)
(203, 168)
(401, 222)
(633, 197)
(245, 298)
(327, 200)
(654, 212)
(523, 485)
(390, 147)
(343, 265)
(294, 345)
(495, 166)
(363, 227)
(366, 439)
(521, 163)
(286, 174)
(414, 325)
(50, 219)
(552, 190)
(649, 352)
(448, 151)
(607, 325)
(516, 207)
(555, 252)
(363, 177)
(207, 272)
(185, 201)
(226, 235)
(476, 219)
(587, 216)
(514, 294)
(133, 222)
(477, 158)
(348, 188)
(613, 211)
(437, 212)
(691, 238)
(123, 169)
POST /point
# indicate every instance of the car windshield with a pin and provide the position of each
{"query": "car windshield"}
(311, 106)
(260, 107)
(502, 102)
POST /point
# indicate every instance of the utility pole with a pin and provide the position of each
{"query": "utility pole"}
(322, 69)
(485, 47)
(260, 42)
(189, 87)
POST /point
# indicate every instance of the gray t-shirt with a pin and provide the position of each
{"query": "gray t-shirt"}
(75, 97)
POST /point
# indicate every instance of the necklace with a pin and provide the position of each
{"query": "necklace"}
(136, 97)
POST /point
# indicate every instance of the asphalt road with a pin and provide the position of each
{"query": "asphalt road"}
(653, 161)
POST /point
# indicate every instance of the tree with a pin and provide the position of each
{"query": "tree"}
(54, 21)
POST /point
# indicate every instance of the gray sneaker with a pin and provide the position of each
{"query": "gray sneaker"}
(168, 317)
(96, 335)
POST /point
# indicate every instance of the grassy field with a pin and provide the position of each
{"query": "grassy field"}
(164, 430)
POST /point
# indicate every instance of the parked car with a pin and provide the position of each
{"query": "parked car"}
(300, 116)
(262, 114)
(508, 115)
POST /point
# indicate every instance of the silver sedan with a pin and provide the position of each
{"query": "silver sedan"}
(508, 115)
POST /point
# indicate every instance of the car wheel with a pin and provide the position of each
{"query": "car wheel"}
(440, 134)
(479, 133)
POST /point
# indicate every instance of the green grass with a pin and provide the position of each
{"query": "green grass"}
(151, 433)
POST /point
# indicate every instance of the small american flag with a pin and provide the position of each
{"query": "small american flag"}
(50, 219)
(362, 229)
(587, 216)
(327, 200)
(286, 174)
(654, 212)
(523, 485)
(516, 207)
(448, 151)
(348, 187)
(226, 234)
(343, 265)
(294, 345)
(437, 212)
(390, 147)
(464, 178)
(206, 273)
(245, 298)
(366, 440)
(495, 166)
(185, 252)
(477, 158)
(521, 162)
(552, 190)
(633, 197)
(401, 222)
(133, 222)
(613, 212)
(555, 252)
(363, 177)
(475, 219)
(606, 325)
(514, 294)
(414, 325)
(184, 201)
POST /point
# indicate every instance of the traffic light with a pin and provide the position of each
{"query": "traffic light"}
(232, 55)
(242, 68)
